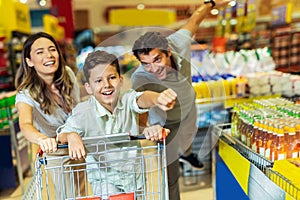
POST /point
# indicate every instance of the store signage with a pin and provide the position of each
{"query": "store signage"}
(18, 15)
(22, 18)
(146, 17)
(52, 27)
(281, 15)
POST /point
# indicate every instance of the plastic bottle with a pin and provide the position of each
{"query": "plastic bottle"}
(240, 87)
(271, 137)
(259, 136)
(244, 130)
(292, 143)
(281, 148)
(274, 143)
(249, 133)
(263, 138)
(297, 129)
(234, 121)
(254, 136)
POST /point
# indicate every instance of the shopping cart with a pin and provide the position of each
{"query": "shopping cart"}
(118, 166)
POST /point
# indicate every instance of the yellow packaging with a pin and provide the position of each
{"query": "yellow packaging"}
(226, 86)
(205, 92)
(201, 90)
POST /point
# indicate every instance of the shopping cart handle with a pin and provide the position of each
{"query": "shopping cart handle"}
(62, 146)
(142, 137)
(59, 146)
(137, 137)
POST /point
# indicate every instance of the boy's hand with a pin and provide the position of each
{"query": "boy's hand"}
(166, 99)
(155, 132)
(76, 147)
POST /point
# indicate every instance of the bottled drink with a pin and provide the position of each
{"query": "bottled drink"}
(297, 129)
(269, 140)
(249, 133)
(254, 136)
(244, 130)
(292, 143)
(260, 137)
(234, 122)
(274, 143)
(281, 148)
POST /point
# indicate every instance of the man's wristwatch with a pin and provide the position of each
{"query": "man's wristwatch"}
(211, 2)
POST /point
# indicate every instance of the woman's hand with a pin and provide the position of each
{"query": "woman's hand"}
(156, 132)
(48, 145)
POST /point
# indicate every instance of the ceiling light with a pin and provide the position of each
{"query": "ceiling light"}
(214, 12)
(42, 2)
(232, 3)
(140, 6)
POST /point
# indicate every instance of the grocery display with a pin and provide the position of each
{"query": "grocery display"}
(247, 84)
(6, 80)
(267, 133)
(16, 151)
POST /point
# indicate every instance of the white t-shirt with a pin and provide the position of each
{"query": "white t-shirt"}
(45, 123)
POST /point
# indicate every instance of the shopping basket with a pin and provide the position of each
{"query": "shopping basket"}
(118, 166)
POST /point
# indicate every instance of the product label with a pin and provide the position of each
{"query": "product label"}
(281, 156)
(262, 151)
(254, 147)
(267, 153)
(295, 155)
(248, 142)
(243, 138)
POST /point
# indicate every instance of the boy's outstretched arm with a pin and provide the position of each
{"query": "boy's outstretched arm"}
(155, 132)
(164, 100)
(75, 144)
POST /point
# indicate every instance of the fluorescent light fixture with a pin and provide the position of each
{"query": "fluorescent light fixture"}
(214, 11)
(140, 6)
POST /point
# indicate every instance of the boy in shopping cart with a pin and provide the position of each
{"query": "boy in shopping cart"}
(107, 111)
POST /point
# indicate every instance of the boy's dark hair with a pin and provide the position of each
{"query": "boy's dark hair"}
(148, 42)
(99, 57)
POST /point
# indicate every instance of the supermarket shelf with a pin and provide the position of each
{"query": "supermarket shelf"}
(223, 131)
(230, 101)
(253, 173)
(283, 183)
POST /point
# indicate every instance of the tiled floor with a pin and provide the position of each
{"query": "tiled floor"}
(195, 187)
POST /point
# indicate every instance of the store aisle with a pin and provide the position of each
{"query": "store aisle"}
(199, 189)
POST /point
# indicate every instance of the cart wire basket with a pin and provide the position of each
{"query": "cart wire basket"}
(117, 166)
(283, 183)
(222, 131)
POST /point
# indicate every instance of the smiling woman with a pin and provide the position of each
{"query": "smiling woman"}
(47, 91)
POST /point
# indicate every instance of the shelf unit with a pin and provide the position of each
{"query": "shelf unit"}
(6, 78)
(15, 148)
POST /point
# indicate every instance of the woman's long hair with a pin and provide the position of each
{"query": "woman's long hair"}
(27, 78)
